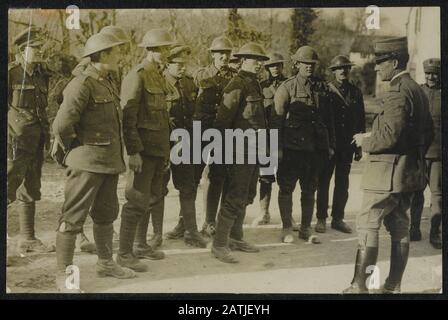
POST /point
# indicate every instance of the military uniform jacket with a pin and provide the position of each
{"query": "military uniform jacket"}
(146, 126)
(435, 106)
(401, 132)
(303, 115)
(27, 103)
(88, 124)
(180, 100)
(349, 115)
(269, 87)
(211, 83)
(242, 106)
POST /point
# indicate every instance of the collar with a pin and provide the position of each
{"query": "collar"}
(399, 75)
(303, 81)
(281, 77)
(170, 79)
(247, 74)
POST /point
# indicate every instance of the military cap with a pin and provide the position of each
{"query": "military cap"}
(29, 37)
(305, 54)
(99, 42)
(179, 54)
(221, 44)
(157, 38)
(431, 65)
(340, 62)
(118, 32)
(274, 58)
(252, 49)
(390, 48)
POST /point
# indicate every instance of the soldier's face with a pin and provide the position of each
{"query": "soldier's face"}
(341, 74)
(432, 79)
(386, 69)
(251, 65)
(275, 70)
(306, 70)
(177, 70)
(221, 58)
(111, 58)
(160, 54)
(32, 54)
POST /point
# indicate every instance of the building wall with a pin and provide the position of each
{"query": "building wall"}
(423, 31)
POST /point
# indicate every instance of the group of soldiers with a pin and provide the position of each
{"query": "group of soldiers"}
(321, 130)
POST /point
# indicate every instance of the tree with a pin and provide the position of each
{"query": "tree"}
(239, 32)
(302, 27)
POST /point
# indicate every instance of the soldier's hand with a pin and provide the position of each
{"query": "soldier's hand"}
(330, 153)
(136, 163)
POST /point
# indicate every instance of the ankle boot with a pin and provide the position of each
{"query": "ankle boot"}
(365, 257)
(177, 232)
(399, 253)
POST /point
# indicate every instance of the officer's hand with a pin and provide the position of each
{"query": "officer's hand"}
(54, 149)
(330, 153)
(358, 154)
(136, 163)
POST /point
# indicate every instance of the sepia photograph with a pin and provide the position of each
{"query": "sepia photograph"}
(224, 151)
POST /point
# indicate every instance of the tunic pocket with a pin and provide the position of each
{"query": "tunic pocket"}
(378, 175)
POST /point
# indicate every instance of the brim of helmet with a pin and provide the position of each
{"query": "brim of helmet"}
(220, 49)
(431, 70)
(304, 60)
(271, 63)
(86, 54)
(334, 67)
(251, 55)
(160, 44)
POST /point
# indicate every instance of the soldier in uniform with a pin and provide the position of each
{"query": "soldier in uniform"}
(28, 133)
(349, 117)
(181, 97)
(88, 128)
(241, 108)
(395, 168)
(432, 89)
(274, 68)
(306, 138)
(211, 81)
(147, 138)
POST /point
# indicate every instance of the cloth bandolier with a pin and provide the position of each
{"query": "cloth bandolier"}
(241, 108)
(305, 122)
(433, 163)
(146, 133)
(211, 82)
(181, 97)
(269, 87)
(349, 117)
(401, 132)
(28, 133)
(88, 128)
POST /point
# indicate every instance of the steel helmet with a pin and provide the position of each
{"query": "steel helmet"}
(118, 32)
(99, 42)
(221, 44)
(252, 49)
(274, 58)
(157, 38)
(340, 62)
(305, 54)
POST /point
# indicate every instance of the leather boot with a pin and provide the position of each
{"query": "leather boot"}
(65, 249)
(109, 268)
(399, 253)
(416, 210)
(27, 240)
(434, 233)
(125, 256)
(365, 257)
(157, 211)
(220, 247)
(195, 239)
(177, 232)
(142, 230)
